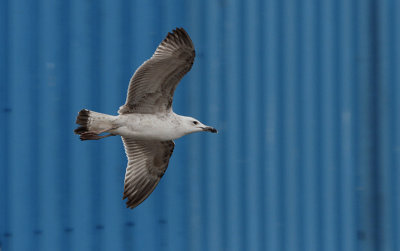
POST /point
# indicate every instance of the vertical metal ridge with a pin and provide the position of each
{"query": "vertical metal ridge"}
(369, 175)
(22, 164)
(348, 113)
(310, 128)
(53, 127)
(234, 31)
(291, 107)
(64, 205)
(395, 148)
(262, 137)
(5, 111)
(35, 127)
(82, 189)
(329, 125)
(213, 91)
(252, 126)
(387, 114)
(375, 123)
(280, 134)
(272, 103)
(224, 137)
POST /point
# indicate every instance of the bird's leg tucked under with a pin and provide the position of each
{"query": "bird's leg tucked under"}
(90, 135)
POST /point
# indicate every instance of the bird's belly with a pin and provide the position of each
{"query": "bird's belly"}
(146, 127)
(148, 133)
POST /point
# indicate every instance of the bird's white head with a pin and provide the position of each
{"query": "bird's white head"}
(192, 125)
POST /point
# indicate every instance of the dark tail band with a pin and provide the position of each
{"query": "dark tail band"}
(82, 120)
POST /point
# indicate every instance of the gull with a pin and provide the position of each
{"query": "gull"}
(146, 122)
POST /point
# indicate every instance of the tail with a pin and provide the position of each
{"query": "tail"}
(92, 124)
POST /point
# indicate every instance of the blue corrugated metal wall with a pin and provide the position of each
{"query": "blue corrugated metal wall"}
(305, 95)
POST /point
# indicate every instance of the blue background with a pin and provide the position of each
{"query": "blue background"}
(305, 95)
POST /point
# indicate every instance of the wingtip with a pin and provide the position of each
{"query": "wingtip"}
(130, 205)
(175, 39)
(179, 32)
(181, 29)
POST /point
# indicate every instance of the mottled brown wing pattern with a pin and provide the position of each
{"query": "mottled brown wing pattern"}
(147, 163)
(152, 87)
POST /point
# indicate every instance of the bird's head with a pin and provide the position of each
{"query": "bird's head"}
(193, 125)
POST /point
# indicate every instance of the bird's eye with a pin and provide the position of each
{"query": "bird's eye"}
(195, 122)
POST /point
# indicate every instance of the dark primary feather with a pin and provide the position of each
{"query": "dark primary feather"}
(147, 162)
(152, 87)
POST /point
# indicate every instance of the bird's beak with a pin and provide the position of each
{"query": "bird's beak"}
(210, 129)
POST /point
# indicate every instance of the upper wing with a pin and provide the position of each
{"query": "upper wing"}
(147, 162)
(152, 87)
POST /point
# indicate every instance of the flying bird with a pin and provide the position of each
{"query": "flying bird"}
(146, 122)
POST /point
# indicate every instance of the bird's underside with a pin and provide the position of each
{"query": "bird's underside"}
(150, 91)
